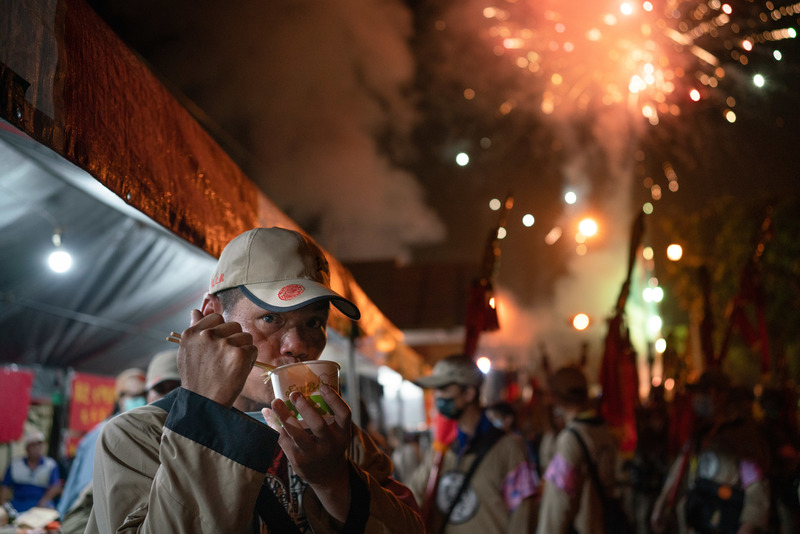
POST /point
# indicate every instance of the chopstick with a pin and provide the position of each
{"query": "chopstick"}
(175, 337)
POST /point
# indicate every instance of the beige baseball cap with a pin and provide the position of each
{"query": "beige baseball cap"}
(456, 369)
(163, 367)
(130, 382)
(279, 270)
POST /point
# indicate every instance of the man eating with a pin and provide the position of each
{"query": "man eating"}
(202, 460)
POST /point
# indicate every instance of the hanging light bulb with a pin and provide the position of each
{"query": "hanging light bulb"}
(59, 260)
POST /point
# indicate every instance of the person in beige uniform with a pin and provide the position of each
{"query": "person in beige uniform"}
(498, 497)
(718, 484)
(202, 459)
(570, 502)
(161, 378)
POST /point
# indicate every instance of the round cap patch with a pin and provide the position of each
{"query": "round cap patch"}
(291, 291)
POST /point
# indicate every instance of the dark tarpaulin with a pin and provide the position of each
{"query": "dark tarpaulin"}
(70, 84)
(77, 89)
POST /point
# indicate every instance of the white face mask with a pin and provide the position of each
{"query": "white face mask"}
(497, 422)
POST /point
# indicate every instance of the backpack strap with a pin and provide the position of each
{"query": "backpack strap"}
(481, 448)
(590, 464)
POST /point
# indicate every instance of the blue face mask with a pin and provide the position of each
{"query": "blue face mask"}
(129, 403)
(447, 407)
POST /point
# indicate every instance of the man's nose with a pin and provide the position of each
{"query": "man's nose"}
(294, 343)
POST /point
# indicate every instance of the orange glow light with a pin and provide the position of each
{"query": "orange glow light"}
(674, 252)
(580, 321)
(588, 227)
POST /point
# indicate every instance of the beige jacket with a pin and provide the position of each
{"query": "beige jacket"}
(569, 498)
(735, 454)
(500, 495)
(188, 465)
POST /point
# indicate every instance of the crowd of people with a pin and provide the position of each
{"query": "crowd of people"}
(715, 460)
(198, 444)
(36, 480)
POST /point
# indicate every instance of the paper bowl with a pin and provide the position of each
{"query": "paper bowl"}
(306, 377)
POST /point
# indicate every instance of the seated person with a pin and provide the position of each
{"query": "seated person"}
(34, 479)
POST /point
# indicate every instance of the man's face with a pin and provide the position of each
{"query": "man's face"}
(35, 449)
(281, 338)
(132, 394)
(450, 400)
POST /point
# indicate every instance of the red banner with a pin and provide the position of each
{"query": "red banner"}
(92, 401)
(15, 396)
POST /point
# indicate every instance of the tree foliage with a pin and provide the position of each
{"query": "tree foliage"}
(724, 238)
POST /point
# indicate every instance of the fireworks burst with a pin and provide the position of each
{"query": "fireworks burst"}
(654, 58)
(623, 91)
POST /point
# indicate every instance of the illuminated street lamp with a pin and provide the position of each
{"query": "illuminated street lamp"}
(588, 227)
(580, 321)
(654, 324)
(653, 294)
(674, 252)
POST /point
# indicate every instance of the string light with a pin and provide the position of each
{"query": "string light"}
(60, 261)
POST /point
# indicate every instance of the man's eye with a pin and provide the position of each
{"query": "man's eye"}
(270, 319)
(317, 323)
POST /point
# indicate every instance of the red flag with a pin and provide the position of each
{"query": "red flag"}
(619, 379)
(751, 296)
(481, 309)
(15, 396)
(619, 376)
(481, 314)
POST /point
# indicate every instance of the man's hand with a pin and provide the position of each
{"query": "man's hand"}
(215, 358)
(318, 454)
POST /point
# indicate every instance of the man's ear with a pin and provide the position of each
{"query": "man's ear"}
(211, 304)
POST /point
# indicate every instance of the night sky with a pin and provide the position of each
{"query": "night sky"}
(350, 115)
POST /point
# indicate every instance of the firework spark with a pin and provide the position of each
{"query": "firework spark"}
(652, 58)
